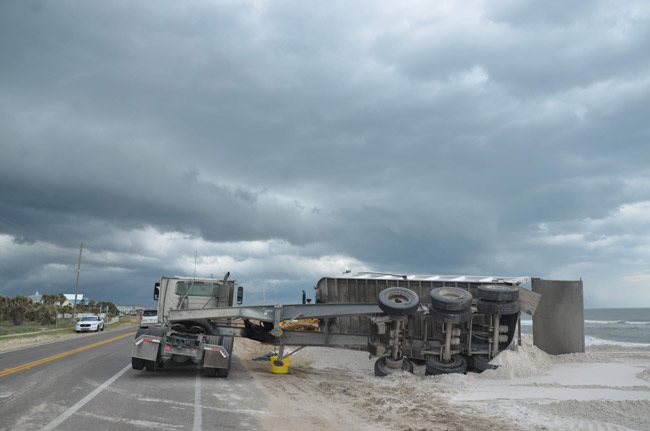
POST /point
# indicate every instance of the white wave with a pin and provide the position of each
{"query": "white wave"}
(616, 322)
(593, 341)
(603, 322)
(529, 322)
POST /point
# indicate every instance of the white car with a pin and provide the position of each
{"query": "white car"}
(89, 323)
(149, 318)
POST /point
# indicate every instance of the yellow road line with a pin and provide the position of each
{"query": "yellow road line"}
(28, 365)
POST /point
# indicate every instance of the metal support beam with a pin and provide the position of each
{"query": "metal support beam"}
(265, 313)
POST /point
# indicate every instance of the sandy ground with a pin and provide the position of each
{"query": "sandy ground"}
(608, 388)
(336, 389)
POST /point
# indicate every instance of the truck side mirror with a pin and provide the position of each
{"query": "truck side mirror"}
(156, 291)
(240, 295)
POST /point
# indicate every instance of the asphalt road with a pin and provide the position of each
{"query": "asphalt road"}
(87, 383)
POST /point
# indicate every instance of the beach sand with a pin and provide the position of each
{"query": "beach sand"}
(607, 388)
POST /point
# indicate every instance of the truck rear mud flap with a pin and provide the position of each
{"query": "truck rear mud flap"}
(146, 347)
(215, 356)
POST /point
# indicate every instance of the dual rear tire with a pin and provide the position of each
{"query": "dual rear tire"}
(384, 366)
(450, 305)
(497, 299)
(434, 366)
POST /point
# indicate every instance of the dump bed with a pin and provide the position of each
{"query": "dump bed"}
(364, 288)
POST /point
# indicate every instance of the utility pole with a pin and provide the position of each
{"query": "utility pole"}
(76, 286)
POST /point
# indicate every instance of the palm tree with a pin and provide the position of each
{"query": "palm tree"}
(49, 299)
(18, 309)
(4, 308)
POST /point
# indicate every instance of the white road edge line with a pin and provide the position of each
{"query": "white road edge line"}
(198, 418)
(75, 408)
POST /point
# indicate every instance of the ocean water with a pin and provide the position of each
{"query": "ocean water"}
(618, 326)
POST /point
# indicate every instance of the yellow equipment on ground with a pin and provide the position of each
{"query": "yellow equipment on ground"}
(280, 367)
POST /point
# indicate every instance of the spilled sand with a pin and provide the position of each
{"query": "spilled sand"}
(607, 388)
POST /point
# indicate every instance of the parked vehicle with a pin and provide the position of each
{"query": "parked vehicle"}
(149, 317)
(89, 323)
(460, 323)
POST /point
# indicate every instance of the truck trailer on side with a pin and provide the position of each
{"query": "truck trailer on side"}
(449, 323)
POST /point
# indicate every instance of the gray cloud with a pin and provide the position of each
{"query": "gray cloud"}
(291, 140)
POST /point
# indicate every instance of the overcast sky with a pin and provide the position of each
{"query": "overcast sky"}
(286, 141)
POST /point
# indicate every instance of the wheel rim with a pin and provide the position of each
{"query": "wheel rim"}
(450, 294)
(398, 298)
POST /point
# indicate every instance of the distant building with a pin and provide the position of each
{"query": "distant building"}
(36, 297)
(129, 309)
(69, 299)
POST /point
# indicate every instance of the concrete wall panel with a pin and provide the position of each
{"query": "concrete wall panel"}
(558, 322)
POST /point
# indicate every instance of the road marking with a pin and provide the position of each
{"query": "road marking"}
(134, 422)
(72, 410)
(198, 419)
(205, 406)
(28, 365)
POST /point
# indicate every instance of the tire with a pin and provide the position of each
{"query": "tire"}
(398, 301)
(102, 328)
(450, 298)
(151, 365)
(137, 363)
(455, 317)
(498, 292)
(382, 369)
(210, 372)
(482, 363)
(505, 308)
(435, 366)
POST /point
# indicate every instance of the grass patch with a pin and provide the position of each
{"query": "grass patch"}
(9, 330)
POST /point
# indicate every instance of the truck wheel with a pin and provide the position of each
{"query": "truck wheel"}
(210, 372)
(498, 292)
(382, 369)
(137, 363)
(223, 372)
(435, 366)
(150, 365)
(398, 301)
(505, 308)
(454, 317)
(450, 298)
(482, 363)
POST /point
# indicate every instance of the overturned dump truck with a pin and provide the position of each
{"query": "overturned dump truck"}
(450, 324)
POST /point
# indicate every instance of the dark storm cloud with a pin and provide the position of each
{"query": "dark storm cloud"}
(493, 137)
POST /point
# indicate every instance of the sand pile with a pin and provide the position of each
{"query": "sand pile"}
(526, 361)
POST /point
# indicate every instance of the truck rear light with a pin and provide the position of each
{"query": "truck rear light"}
(150, 340)
(168, 348)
